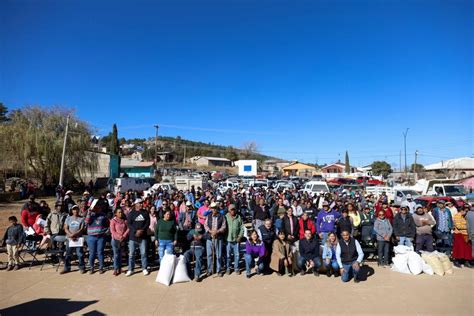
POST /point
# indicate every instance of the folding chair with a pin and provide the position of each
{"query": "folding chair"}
(32, 251)
(2, 250)
(50, 254)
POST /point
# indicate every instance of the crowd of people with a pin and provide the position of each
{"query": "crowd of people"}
(283, 232)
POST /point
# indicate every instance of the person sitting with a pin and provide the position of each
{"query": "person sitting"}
(424, 235)
(349, 256)
(54, 226)
(404, 227)
(309, 254)
(254, 251)
(383, 231)
(281, 259)
(329, 255)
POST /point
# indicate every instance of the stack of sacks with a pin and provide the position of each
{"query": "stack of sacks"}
(438, 261)
(172, 268)
(408, 261)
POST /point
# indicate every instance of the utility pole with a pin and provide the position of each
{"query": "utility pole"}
(400, 165)
(414, 166)
(61, 173)
(184, 158)
(156, 145)
(405, 144)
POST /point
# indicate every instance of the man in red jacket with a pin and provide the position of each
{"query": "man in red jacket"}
(306, 223)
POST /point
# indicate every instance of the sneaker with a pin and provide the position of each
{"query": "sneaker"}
(248, 276)
(328, 273)
(91, 271)
(227, 272)
(302, 272)
(316, 273)
(146, 272)
(16, 267)
(129, 273)
(64, 271)
(221, 274)
(82, 271)
(356, 280)
(197, 280)
(467, 264)
(457, 264)
(9, 268)
(101, 271)
(237, 272)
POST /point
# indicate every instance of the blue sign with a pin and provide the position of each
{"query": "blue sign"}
(248, 168)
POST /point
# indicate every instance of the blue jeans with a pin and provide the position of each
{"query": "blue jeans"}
(325, 237)
(96, 245)
(333, 264)
(249, 260)
(233, 247)
(165, 245)
(197, 252)
(349, 271)
(405, 241)
(301, 263)
(131, 253)
(117, 254)
(214, 246)
(67, 258)
(383, 249)
(443, 239)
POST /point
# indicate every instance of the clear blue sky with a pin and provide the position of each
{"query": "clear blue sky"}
(306, 80)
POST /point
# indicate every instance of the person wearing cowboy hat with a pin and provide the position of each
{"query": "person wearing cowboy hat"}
(404, 227)
(215, 227)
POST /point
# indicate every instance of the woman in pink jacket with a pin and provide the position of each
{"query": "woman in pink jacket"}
(119, 231)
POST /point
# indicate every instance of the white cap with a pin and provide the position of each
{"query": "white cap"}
(409, 196)
(69, 192)
(213, 205)
(137, 201)
(188, 203)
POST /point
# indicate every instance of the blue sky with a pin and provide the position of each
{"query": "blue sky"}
(306, 80)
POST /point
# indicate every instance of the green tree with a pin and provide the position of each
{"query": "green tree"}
(3, 113)
(33, 139)
(114, 147)
(381, 168)
(347, 164)
(417, 168)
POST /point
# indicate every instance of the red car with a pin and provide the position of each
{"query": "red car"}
(369, 181)
(431, 201)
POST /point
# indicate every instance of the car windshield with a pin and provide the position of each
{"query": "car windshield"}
(411, 192)
(319, 188)
(421, 202)
(454, 190)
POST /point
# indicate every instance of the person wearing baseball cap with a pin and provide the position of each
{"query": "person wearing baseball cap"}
(215, 227)
(404, 227)
(444, 225)
(74, 226)
(235, 232)
(138, 221)
(326, 221)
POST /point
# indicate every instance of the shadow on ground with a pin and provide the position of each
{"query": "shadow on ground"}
(49, 306)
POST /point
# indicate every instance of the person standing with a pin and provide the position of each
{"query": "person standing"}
(383, 231)
(166, 235)
(97, 226)
(290, 226)
(119, 231)
(424, 235)
(14, 238)
(74, 228)
(235, 231)
(404, 227)
(326, 221)
(444, 225)
(349, 256)
(462, 249)
(260, 213)
(215, 226)
(267, 236)
(138, 221)
(470, 226)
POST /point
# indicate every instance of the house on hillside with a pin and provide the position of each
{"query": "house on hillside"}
(273, 166)
(299, 169)
(210, 161)
(136, 168)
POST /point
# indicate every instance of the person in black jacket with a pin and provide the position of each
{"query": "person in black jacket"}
(344, 223)
(267, 234)
(291, 226)
(404, 227)
(138, 221)
(309, 254)
(261, 212)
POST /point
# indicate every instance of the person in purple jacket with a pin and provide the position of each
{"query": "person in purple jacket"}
(326, 222)
(254, 251)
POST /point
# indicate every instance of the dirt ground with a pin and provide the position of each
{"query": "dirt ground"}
(26, 292)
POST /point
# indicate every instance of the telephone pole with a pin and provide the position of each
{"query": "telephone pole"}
(414, 166)
(61, 173)
(405, 144)
(156, 145)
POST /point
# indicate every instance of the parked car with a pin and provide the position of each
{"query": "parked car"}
(431, 201)
(164, 186)
(122, 185)
(401, 195)
(281, 185)
(316, 187)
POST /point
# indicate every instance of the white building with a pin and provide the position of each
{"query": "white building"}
(457, 168)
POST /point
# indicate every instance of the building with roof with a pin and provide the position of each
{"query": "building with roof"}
(273, 166)
(210, 161)
(456, 168)
(136, 168)
(299, 169)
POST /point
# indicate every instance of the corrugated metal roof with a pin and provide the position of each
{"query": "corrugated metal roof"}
(457, 163)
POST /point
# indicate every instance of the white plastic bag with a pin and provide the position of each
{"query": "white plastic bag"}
(427, 268)
(415, 263)
(166, 269)
(401, 249)
(181, 272)
(400, 263)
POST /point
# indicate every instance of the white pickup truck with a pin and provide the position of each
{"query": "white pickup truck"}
(443, 187)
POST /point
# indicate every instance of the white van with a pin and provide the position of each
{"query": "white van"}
(122, 185)
(401, 195)
(316, 187)
(156, 186)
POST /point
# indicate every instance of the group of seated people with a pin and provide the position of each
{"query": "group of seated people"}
(287, 232)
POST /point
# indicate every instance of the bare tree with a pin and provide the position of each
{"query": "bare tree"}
(249, 148)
